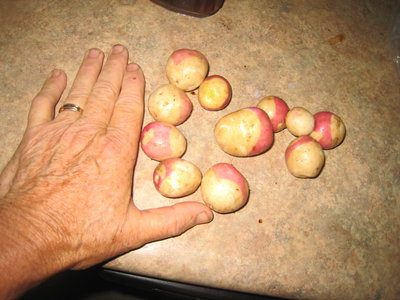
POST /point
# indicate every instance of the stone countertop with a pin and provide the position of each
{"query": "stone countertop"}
(336, 236)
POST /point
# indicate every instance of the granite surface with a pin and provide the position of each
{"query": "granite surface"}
(333, 237)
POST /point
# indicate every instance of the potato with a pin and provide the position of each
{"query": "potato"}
(329, 130)
(246, 132)
(175, 177)
(215, 93)
(276, 109)
(170, 105)
(186, 69)
(161, 141)
(299, 121)
(304, 157)
(224, 189)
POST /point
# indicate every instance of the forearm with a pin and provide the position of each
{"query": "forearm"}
(26, 258)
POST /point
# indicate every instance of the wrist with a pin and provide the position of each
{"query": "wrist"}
(27, 255)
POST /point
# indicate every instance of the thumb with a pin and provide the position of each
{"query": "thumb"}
(164, 222)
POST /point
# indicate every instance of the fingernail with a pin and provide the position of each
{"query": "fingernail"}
(55, 73)
(132, 67)
(93, 53)
(203, 218)
(117, 49)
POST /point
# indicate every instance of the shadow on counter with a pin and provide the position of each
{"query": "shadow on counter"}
(101, 284)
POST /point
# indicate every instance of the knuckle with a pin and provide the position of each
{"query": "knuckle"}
(77, 93)
(40, 98)
(125, 105)
(89, 67)
(176, 225)
(46, 93)
(106, 89)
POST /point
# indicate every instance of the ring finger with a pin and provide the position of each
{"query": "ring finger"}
(84, 82)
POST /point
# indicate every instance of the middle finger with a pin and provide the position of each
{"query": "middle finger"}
(100, 104)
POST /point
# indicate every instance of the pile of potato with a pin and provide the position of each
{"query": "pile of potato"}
(246, 132)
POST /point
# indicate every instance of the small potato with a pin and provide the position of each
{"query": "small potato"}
(304, 157)
(215, 93)
(246, 132)
(277, 109)
(175, 177)
(299, 121)
(329, 130)
(224, 189)
(186, 69)
(161, 141)
(170, 105)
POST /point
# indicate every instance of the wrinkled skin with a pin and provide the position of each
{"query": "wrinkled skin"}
(66, 194)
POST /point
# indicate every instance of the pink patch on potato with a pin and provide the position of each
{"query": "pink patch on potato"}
(266, 137)
(281, 109)
(229, 172)
(180, 55)
(158, 143)
(322, 125)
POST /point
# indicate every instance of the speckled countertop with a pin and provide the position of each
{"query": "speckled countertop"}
(334, 237)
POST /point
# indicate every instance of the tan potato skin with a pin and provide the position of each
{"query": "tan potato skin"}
(221, 195)
(178, 178)
(267, 104)
(306, 160)
(299, 121)
(188, 74)
(166, 105)
(238, 132)
(338, 130)
(178, 143)
(214, 94)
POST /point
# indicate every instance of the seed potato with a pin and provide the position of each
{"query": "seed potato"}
(215, 93)
(329, 130)
(299, 121)
(186, 69)
(160, 141)
(224, 189)
(170, 104)
(246, 132)
(304, 157)
(175, 177)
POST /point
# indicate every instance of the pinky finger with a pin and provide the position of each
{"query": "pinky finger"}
(42, 107)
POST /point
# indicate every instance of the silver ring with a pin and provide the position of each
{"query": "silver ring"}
(70, 106)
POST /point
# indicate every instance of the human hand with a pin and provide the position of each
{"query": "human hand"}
(66, 195)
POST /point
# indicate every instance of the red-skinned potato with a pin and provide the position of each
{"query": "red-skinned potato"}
(276, 108)
(329, 130)
(215, 93)
(304, 157)
(161, 141)
(187, 69)
(224, 189)
(169, 104)
(175, 177)
(246, 132)
(299, 121)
